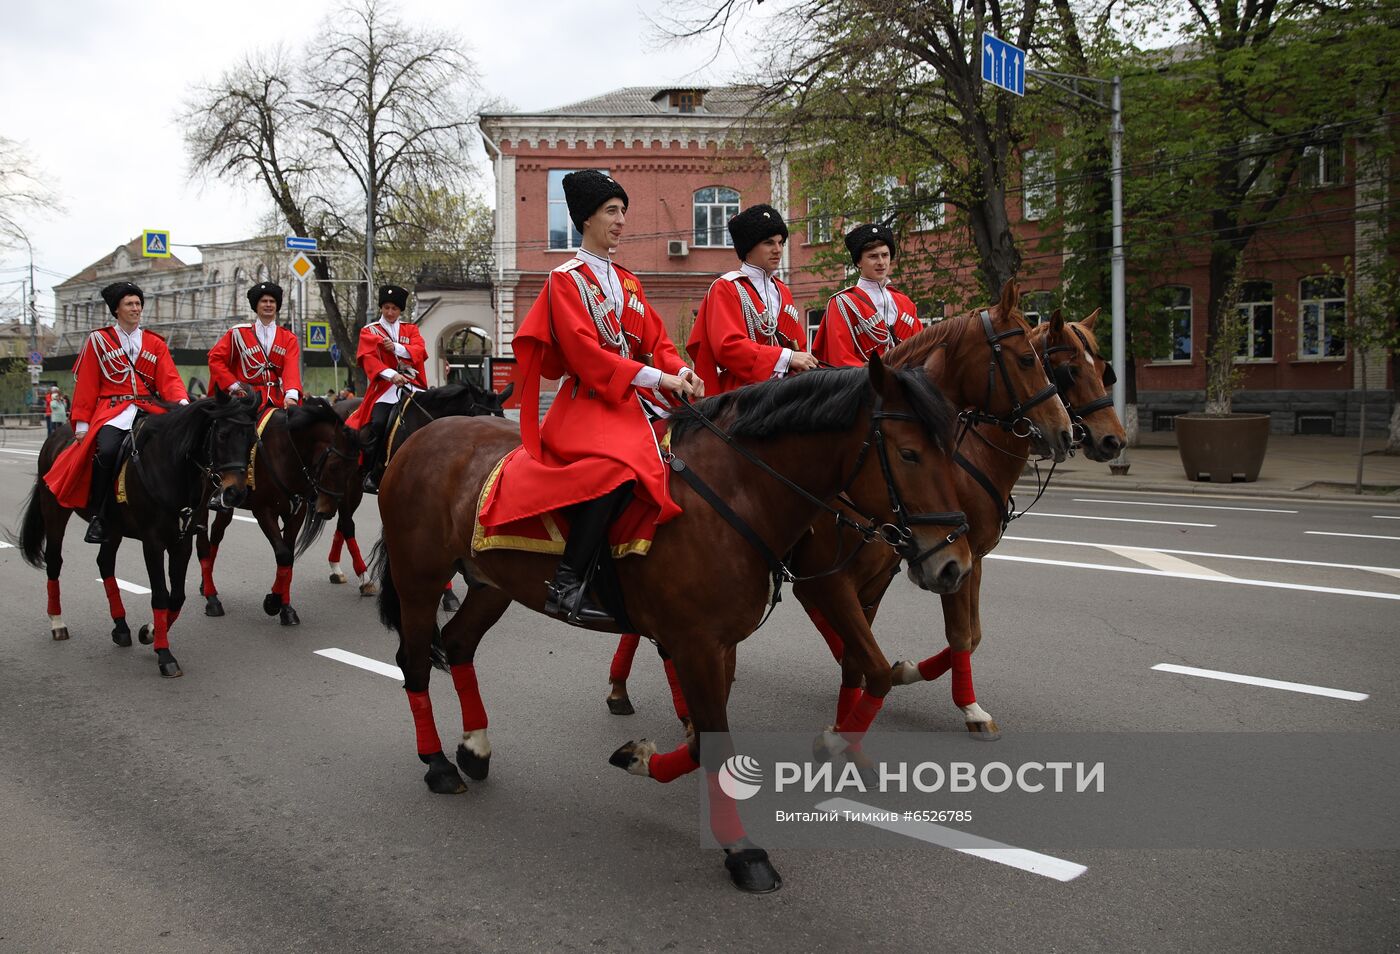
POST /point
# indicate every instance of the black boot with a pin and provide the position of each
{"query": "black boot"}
(568, 599)
(98, 498)
(588, 536)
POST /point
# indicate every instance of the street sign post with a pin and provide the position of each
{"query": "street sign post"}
(318, 335)
(300, 266)
(1003, 65)
(36, 358)
(155, 243)
(301, 243)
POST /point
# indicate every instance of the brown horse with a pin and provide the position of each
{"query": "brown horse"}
(304, 460)
(984, 361)
(991, 458)
(879, 436)
(181, 461)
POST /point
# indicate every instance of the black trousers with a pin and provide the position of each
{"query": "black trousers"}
(104, 465)
(588, 527)
(377, 435)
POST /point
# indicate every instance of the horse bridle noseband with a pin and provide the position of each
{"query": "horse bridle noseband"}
(1063, 382)
(1017, 423)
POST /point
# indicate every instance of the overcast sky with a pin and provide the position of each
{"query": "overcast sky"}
(93, 88)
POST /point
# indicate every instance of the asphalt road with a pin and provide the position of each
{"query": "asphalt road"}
(271, 799)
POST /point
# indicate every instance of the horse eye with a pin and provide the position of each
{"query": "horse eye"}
(910, 455)
(1026, 360)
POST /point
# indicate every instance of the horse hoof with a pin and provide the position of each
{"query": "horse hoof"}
(450, 603)
(905, 673)
(272, 603)
(367, 588)
(121, 633)
(984, 731)
(213, 606)
(288, 617)
(61, 633)
(339, 578)
(828, 744)
(169, 668)
(144, 635)
(442, 777)
(477, 767)
(621, 706)
(751, 871)
(634, 757)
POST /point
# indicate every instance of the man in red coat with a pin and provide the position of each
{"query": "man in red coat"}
(748, 329)
(592, 326)
(391, 352)
(870, 317)
(121, 368)
(260, 356)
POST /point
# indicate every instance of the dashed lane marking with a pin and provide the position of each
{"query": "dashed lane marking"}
(1080, 516)
(239, 516)
(136, 588)
(362, 662)
(1382, 516)
(1046, 866)
(1260, 681)
(1333, 533)
(1389, 570)
(1166, 562)
(1150, 503)
(16, 450)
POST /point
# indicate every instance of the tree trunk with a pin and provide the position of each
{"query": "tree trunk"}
(1392, 443)
(1219, 355)
(998, 258)
(1361, 430)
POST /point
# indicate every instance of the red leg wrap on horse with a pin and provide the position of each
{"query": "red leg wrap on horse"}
(423, 727)
(55, 605)
(114, 597)
(963, 694)
(621, 666)
(172, 616)
(724, 814)
(162, 628)
(206, 575)
(669, 766)
(473, 711)
(356, 560)
(834, 642)
(862, 714)
(935, 666)
(846, 700)
(677, 696)
(282, 585)
(337, 542)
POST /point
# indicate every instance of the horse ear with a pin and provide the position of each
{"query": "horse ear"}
(1010, 296)
(877, 373)
(504, 396)
(1057, 322)
(1089, 322)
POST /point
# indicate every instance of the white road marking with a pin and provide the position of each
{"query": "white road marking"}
(1165, 562)
(363, 662)
(1033, 861)
(6, 546)
(1258, 681)
(1363, 536)
(1381, 516)
(136, 588)
(1218, 556)
(1206, 577)
(1148, 503)
(239, 516)
(1079, 516)
(16, 450)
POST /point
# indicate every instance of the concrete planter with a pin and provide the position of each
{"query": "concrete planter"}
(1222, 448)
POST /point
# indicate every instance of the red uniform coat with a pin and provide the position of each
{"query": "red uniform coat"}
(238, 357)
(726, 355)
(842, 343)
(374, 360)
(105, 384)
(596, 435)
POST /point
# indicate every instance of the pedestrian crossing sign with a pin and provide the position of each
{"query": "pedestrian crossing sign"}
(155, 244)
(318, 335)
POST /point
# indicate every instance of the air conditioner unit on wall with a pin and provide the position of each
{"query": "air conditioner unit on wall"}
(677, 248)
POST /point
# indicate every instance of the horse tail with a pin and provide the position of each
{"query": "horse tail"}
(310, 529)
(390, 611)
(31, 529)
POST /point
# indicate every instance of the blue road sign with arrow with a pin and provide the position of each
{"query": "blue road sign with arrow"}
(301, 243)
(1003, 65)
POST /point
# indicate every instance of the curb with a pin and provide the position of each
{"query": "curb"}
(1186, 488)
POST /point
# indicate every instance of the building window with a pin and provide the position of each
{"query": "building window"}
(1175, 315)
(1257, 162)
(714, 207)
(1037, 307)
(814, 321)
(1257, 314)
(1037, 184)
(1322, 164)
(818, 223)
(1322, 317)
(562, 234)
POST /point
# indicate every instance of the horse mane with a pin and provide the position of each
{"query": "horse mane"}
(461, 399)
(914, 350)
(183, 425)
(814, 402)
(312, 411)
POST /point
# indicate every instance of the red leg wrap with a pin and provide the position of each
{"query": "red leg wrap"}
(162, 628)
(622, 659)
(356, 560)
(423, 727)
(677, 696)
(55, 605)
(206, 575)
(935, 666)
(669, 766)
(337, 542)
(282, 585)
(833, 638)
(963, 695)
(846, 700)
(172, 616)
(114, 598)
(862, 714)
(724, 814)
(473, 711)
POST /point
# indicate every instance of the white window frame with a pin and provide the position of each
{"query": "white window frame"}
(928, 218)
(557, 203)
(1323, 165)
(1044, 306)
(717, 210)
(1251, 309)
(1037, 184)
(1324, 308)
(818, 223)
(1189, 309)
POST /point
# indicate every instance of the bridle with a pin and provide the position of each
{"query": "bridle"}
(1016, 422)
(407, 402)
(211, 472)
(311, 475)
(1064, 381)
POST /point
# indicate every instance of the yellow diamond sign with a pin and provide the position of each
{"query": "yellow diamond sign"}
(301, 266)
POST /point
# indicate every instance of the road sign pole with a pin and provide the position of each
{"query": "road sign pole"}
(1120, 330)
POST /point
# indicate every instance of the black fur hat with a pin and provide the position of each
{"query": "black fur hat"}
(393, 295)
(861, 237)
(115, 292)
(753, 225)
(256, 293)
(586, 190)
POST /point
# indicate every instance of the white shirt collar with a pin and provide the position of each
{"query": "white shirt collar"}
(393, 328)
(764, 281)
(884, 301)
(266, 332)
(602, 269)
(131, 343)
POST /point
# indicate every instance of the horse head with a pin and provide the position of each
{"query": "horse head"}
(1083, 378)
(228, 444)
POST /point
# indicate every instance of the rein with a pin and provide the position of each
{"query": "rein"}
(311, 475)
(206, 467)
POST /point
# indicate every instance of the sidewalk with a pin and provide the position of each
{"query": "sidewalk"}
(1310, 467)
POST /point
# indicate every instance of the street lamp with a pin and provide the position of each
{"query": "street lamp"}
(369, 205)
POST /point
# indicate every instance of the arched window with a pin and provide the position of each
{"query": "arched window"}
(1322, 317)
(240, 285)
(1174, 309)
(262, 273)
(714, 207)
(1256, 309)
(214, 280)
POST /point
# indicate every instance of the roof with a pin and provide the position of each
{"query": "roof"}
(731, 101)
(133, 249)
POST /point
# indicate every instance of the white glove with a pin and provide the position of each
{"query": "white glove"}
(80, 428)
(184, 401)
(293, 396)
